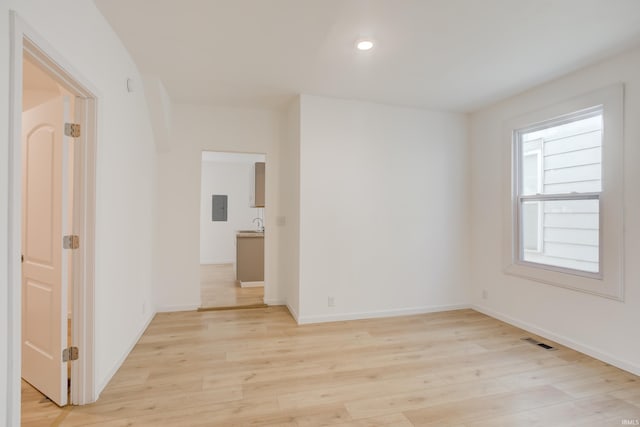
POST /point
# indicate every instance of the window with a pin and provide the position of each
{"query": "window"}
(559, 177)
(565, 199)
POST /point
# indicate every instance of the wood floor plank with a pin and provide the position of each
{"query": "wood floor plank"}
(258, 368)
(218, 288)
(629, 395)
(474, 409)
(393, 420)
(598, 384)
(422, 398)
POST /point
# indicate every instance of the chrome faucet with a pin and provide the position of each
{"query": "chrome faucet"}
(260, 224)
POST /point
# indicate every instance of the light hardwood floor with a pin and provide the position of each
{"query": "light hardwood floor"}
(257, 367)
(218, 288)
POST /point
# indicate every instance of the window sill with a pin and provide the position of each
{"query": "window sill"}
(587, 283)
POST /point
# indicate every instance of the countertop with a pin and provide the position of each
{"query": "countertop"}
(249, 234)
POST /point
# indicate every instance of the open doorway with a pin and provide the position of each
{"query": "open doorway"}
(232, 234)
(52, 141)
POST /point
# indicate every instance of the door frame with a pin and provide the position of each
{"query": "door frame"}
(25, 40)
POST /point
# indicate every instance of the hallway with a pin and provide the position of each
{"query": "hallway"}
(218, 288)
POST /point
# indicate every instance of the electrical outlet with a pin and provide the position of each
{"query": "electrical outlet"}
(485, 294)
(331, 302)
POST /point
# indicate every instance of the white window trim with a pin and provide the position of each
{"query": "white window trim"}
(609, 282)
(540, 171)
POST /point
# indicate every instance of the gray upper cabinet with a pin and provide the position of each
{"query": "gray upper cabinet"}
(259, 193)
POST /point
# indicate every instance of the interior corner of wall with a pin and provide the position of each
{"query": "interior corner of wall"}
(294, 103)
(293, 312)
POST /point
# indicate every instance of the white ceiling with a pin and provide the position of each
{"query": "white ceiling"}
(442, 54)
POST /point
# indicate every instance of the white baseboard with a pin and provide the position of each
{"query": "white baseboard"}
(322, 318)
(275, 302)
(252, 284)
(172, 308)
(560, 339)
(118, 364)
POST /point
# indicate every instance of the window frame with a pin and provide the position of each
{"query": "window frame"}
(609, 282)
(539, 154)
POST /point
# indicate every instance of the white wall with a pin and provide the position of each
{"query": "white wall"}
(218, 238)
(602, 327)
(177, 272)
(125, 179)
(383, 210)
(33, 98)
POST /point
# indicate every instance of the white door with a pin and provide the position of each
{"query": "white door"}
(44, 209)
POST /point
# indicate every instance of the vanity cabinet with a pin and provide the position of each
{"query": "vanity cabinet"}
(249, 257)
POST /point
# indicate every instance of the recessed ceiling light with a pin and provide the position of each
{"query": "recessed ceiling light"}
(364, 44)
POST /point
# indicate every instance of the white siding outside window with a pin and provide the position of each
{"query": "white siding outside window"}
(562, 156)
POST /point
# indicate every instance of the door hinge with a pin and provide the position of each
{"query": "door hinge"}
(70, 353)
(72, 130)
(71, 242)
